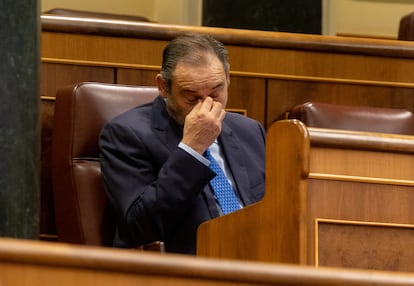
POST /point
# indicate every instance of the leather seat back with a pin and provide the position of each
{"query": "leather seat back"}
(81, 110)
(406, 28)
(357, 118)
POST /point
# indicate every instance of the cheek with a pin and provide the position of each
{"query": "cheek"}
(186, 109)
(223, 99)
(183, 109)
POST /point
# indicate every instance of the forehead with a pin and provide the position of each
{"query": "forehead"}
(208, 72)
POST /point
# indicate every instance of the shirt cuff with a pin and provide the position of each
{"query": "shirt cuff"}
(193, 153)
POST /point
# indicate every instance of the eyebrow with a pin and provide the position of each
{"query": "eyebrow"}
(194, 91)
(219, 85)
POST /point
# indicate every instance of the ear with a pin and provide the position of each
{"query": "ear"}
(162, 88)
(228, 74)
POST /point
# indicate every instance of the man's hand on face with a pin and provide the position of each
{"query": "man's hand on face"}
(203, 124)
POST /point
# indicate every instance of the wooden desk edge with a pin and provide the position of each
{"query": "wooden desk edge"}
(106, 259)
(229, 36)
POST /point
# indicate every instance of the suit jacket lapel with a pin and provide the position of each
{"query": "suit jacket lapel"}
(170, 133)
(236, 162)
(167, 130)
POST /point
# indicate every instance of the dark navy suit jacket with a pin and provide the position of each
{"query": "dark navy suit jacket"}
(158, 190)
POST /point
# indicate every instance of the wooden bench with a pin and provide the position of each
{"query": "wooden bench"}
(33, 263)
(333, 198)
(270, 71)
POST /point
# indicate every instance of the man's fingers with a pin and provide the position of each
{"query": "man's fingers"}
(198, 106)
(206, 104)
(216, 108)
(209, 106)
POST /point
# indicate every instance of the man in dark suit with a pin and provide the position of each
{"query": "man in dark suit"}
(153, 168)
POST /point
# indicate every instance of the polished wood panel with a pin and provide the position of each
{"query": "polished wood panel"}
(248, 94)
(136, 76)
(320, 174)
(33, 263)
(102, 50)
(57, 75)
(380, 245)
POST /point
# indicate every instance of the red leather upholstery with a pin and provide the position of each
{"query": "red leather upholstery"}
(80, 202)
(358, 118)
(406, 28)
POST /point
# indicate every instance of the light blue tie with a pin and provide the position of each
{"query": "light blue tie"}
(222, 188)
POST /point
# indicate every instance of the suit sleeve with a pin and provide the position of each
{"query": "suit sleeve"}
(150, 200)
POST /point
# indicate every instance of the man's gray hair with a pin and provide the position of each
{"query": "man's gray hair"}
(192, 49)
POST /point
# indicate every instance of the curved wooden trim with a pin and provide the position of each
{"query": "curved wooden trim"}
(360, 179)
(353, 35)
(237, 73)
(267, 39)
(99, 63)
(323, 79)
(48, 98)
(316, 243)
(360, 222)
(361, 140)
(57, 255)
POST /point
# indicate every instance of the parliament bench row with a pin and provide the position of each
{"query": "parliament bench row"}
(270, 72)
(35, 263)
(80, 200)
